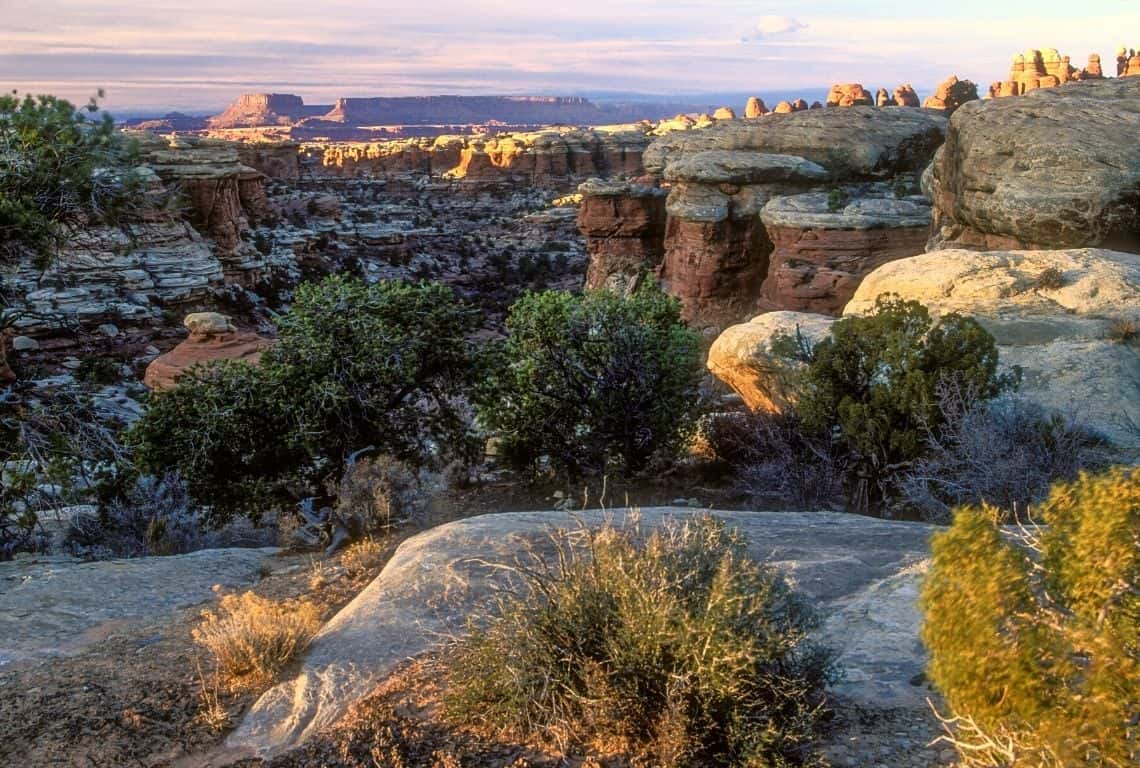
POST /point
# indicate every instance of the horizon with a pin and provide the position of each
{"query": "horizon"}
(201, 58)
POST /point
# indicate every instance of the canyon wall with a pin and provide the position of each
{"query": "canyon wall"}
(726, 259)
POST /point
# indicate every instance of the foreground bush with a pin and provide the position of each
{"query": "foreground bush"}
(594, 382)
(355, 365)
(873, 385)
(1035, 640)
(675, 646)
(253, 638)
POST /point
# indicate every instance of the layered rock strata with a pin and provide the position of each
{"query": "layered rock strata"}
(717, 249)
(821, 251)
(1058, 168)
(624, 227)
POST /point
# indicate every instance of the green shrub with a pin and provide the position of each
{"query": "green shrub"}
(355, 365)
(675, 647)
(873, 384)
(1035, 640)
(59, 168)
(593, 382)
(836, 200)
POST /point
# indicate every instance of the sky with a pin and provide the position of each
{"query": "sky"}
(200, 55)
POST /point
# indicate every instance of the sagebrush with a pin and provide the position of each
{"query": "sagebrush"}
(673, 646)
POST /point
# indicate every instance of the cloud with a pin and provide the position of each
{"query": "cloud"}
(775, 26)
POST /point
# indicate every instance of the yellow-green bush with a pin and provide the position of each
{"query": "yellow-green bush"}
(1034, 636)
(675, 648)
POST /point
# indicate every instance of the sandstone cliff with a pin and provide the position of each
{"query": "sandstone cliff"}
(624, 227)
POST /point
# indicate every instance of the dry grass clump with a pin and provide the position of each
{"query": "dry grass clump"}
(252, 638)
(363, 557)
(1050, 279)
(1123, 330)
(673, 648)
(1035, 640)
(380, 493)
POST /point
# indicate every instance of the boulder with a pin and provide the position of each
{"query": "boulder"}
(624, 227)
(437, 580)
(1061, 337)
(1058, 168)
(724, 113)
(212, 338)
(905, 96)
(742, 356)
(951, 94)
(821, 255)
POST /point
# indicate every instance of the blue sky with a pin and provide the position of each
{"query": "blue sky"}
(201, 54)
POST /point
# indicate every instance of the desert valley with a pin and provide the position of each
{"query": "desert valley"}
(540, 430)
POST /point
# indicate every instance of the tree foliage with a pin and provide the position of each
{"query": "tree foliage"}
(1035, 639)
(60, 167)
(873, 384)
(594, 382)
(354, 366)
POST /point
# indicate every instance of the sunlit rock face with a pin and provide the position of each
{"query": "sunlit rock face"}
(1044, 68)
(549, 158)
(1057, 168)
(624, 227)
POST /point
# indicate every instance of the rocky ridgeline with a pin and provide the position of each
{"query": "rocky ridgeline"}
(549, 158)
(787, 211)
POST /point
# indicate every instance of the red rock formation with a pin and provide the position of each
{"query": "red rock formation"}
(1133, 68)
(724, 113)
(624, 227)
(211, 339)
(783, 108)
(799, 105)
(848, 95)
(278, 160)
(883, 99)
(253, 109)
(951, 94)
(1093, 71)
(905, 96)
(755, 108)
(820, 257)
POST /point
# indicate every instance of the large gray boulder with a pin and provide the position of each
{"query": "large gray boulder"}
(864, 573)
(851, 143)
(1056, 168)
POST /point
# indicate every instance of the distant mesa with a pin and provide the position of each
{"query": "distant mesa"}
(254, 110)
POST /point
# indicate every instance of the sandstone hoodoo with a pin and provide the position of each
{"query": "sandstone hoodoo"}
(822, 250)
(951, 94)
(717, 249)
(212, 338)
(1056, 168)
(624, 227)
(849, 95)
(755, 108)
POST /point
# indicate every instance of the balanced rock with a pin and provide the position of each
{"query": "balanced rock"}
(212, 338)
(1058, 168)
(624, 227)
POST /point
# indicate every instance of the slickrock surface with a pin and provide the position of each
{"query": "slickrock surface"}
(863, 573)
(624, 227)
(1057, 168)
(58, 605)
(820, 256)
